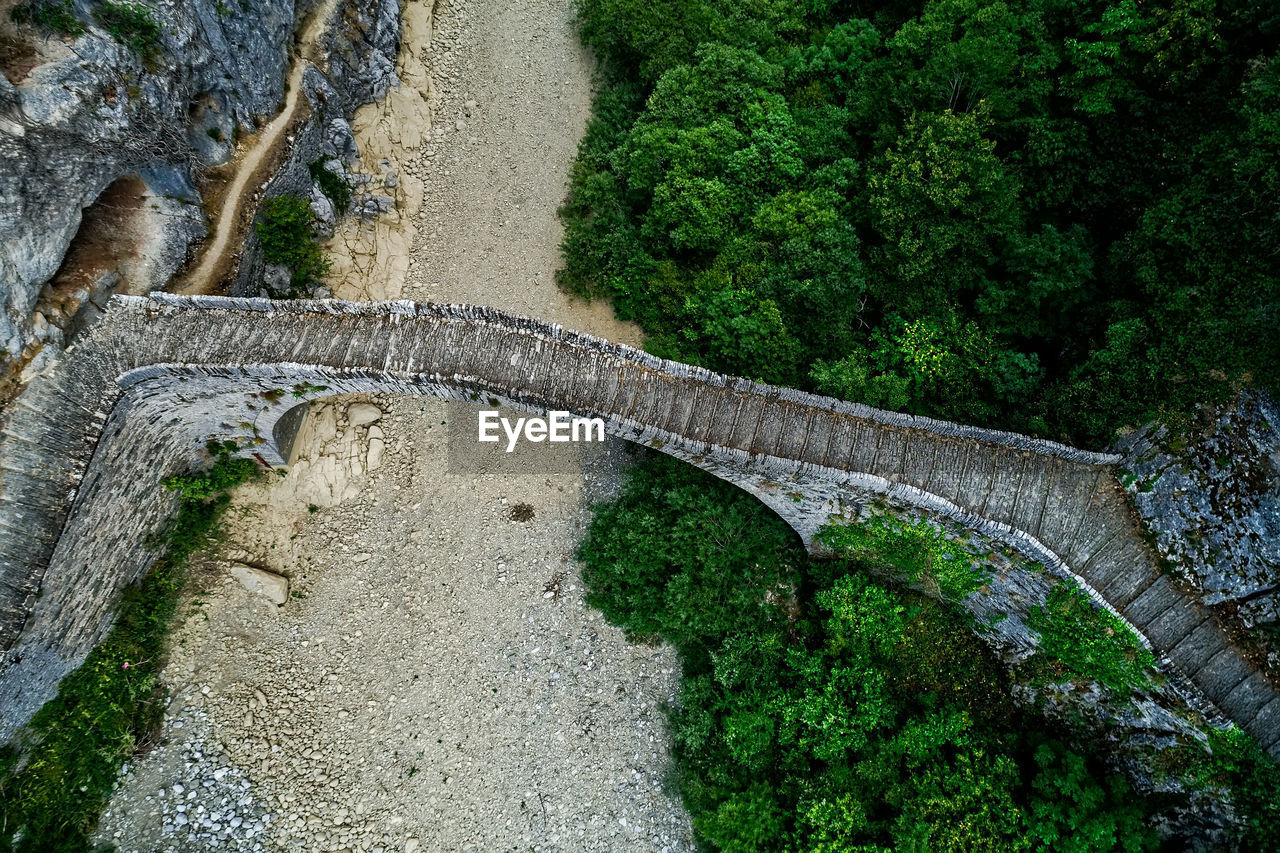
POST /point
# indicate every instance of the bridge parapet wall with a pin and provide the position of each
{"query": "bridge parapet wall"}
(85, 448)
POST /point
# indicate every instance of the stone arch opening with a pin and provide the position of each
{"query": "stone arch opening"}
(285, 431)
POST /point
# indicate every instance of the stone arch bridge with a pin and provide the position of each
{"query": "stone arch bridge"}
(84, 447)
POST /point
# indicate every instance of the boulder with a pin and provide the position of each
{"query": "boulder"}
(270, 585)
(363, 414)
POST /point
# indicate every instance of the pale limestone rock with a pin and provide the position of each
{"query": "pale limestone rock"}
(377, 446)
(270, 585)
(363, 414)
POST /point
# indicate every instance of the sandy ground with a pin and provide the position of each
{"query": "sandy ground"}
(480, 137)
(435, 680)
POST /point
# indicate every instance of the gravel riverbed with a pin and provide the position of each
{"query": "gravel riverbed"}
(434, 681)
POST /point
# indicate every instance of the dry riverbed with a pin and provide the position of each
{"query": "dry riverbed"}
(434, 680)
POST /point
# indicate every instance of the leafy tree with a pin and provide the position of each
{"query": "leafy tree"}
(674, 557)
(745, 335)
(1254, 780)
(942, 202)
(333, 185)
(920, 363)
(1071, 812)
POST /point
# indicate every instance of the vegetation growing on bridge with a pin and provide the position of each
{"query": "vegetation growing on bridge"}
(1056, 217)
(916, 552)
(111, 707)
(1080, 639)
(821, 711)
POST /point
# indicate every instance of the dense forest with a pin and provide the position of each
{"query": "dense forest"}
(1055, 216)
(1059, 217)
(825, 711)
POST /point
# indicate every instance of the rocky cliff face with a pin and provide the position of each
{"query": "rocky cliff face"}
(351, 77)
(1210, 495)
(94, 112)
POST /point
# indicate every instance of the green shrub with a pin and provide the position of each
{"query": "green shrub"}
(131, 24)
(333, 186)
(916, 552)
(1077, 637)
(226, 473)
(682, 556)
(1253, 778)
(301, 390)
(112, 705)
(284, 230)
(49, 16)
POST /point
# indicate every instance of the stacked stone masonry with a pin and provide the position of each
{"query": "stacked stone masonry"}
(84, 448)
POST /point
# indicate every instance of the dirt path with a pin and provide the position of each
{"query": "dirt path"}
(436, 682)
(253, 158)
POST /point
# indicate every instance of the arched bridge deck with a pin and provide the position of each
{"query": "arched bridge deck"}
(85, 446)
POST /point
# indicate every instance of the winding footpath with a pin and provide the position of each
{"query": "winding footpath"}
(252, 166)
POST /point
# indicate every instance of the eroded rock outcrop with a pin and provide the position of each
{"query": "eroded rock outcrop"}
(349, 77)
(75, 125)
(1210, 495)
(95, 111)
